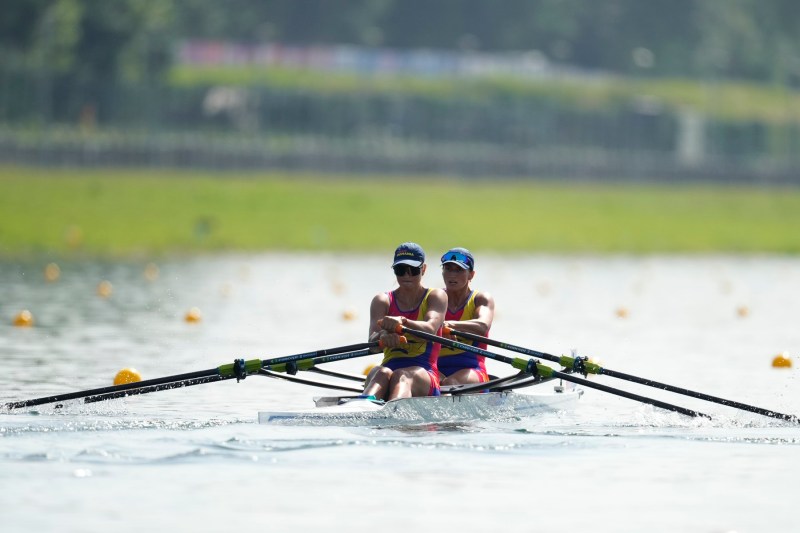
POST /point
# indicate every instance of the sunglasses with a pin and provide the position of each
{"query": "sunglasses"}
(457, 256)
(401, 270)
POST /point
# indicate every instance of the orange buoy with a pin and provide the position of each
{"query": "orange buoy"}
(104, 289)
(368, 368)
(52, 272)
(193, 315)
(743, 311)
(23, 319)
(782, 360)
(621, 312)
(348, 314)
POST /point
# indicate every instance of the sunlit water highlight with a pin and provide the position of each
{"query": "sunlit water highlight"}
(194, 459)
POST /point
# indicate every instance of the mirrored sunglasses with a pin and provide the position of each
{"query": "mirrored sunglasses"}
(457, 256)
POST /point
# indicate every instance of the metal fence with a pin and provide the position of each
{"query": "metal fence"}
(44, 121)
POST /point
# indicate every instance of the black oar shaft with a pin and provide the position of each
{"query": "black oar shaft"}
(320, 353)
(125, 389)
(155, 388)
(225, 371)
(699, 395)
(596, 369)
(547, 372)
(629, 395)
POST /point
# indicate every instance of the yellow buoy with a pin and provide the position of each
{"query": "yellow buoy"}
(23, 319)
(348, 314)
(127, 375)
(151, 272)
(782, 360)
(52, 272)
(193, 315)
(104, 289)
(368, 368)
(742, 311)
(621, 312)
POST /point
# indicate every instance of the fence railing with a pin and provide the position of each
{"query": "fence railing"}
(50, 122)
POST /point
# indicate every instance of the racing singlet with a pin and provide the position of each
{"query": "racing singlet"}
(418, 352)
(452, 360)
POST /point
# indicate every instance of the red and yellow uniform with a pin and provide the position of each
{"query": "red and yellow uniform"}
(452, 360)
(418, 352)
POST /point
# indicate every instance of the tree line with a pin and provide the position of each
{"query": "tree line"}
(133, 40)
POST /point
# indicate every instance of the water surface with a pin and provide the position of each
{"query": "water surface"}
(194, 459)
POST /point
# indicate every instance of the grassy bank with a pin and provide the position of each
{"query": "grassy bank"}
(117, 213)
(718, 100)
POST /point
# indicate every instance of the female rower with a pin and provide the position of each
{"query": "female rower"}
(468, 310)
(408, 368)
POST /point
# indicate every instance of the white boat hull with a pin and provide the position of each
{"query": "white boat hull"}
(429, 409)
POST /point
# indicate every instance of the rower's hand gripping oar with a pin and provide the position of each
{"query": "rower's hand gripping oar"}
(534, 368)
(583, 366)
(239, 369)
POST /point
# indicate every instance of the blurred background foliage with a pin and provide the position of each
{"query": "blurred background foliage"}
(664, 89)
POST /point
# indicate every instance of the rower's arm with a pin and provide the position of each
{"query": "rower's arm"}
(377, 310)
(434, 317)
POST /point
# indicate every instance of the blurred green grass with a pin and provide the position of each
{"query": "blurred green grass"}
(146, 212)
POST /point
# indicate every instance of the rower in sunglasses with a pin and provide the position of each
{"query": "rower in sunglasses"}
(408, 369)
(468, 310)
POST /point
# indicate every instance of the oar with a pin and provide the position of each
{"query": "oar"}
(582, 366)
(239, 369)
(532, 367)
(198, 381)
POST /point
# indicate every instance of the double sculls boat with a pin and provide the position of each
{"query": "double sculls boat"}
(452, 406)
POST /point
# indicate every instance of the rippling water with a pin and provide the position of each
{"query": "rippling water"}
(194, 459)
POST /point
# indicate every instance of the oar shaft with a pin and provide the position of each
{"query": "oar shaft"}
(155, 388)
(319, 353)
(699, 395)
(238, 369)
(545, 371)
(629, 395)
(593, 368)
(306, 364)
(519, 364)
(110, 389)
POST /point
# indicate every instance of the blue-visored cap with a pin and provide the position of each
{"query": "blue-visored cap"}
(460, 256)
(409, 253)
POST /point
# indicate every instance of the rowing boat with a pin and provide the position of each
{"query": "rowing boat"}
(468, 407)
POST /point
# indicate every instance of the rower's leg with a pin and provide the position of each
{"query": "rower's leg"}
(410, 381)
(377, 382)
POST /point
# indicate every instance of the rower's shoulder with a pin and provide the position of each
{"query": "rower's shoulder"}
(437, 295)
(380, 300)
(483, 298)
